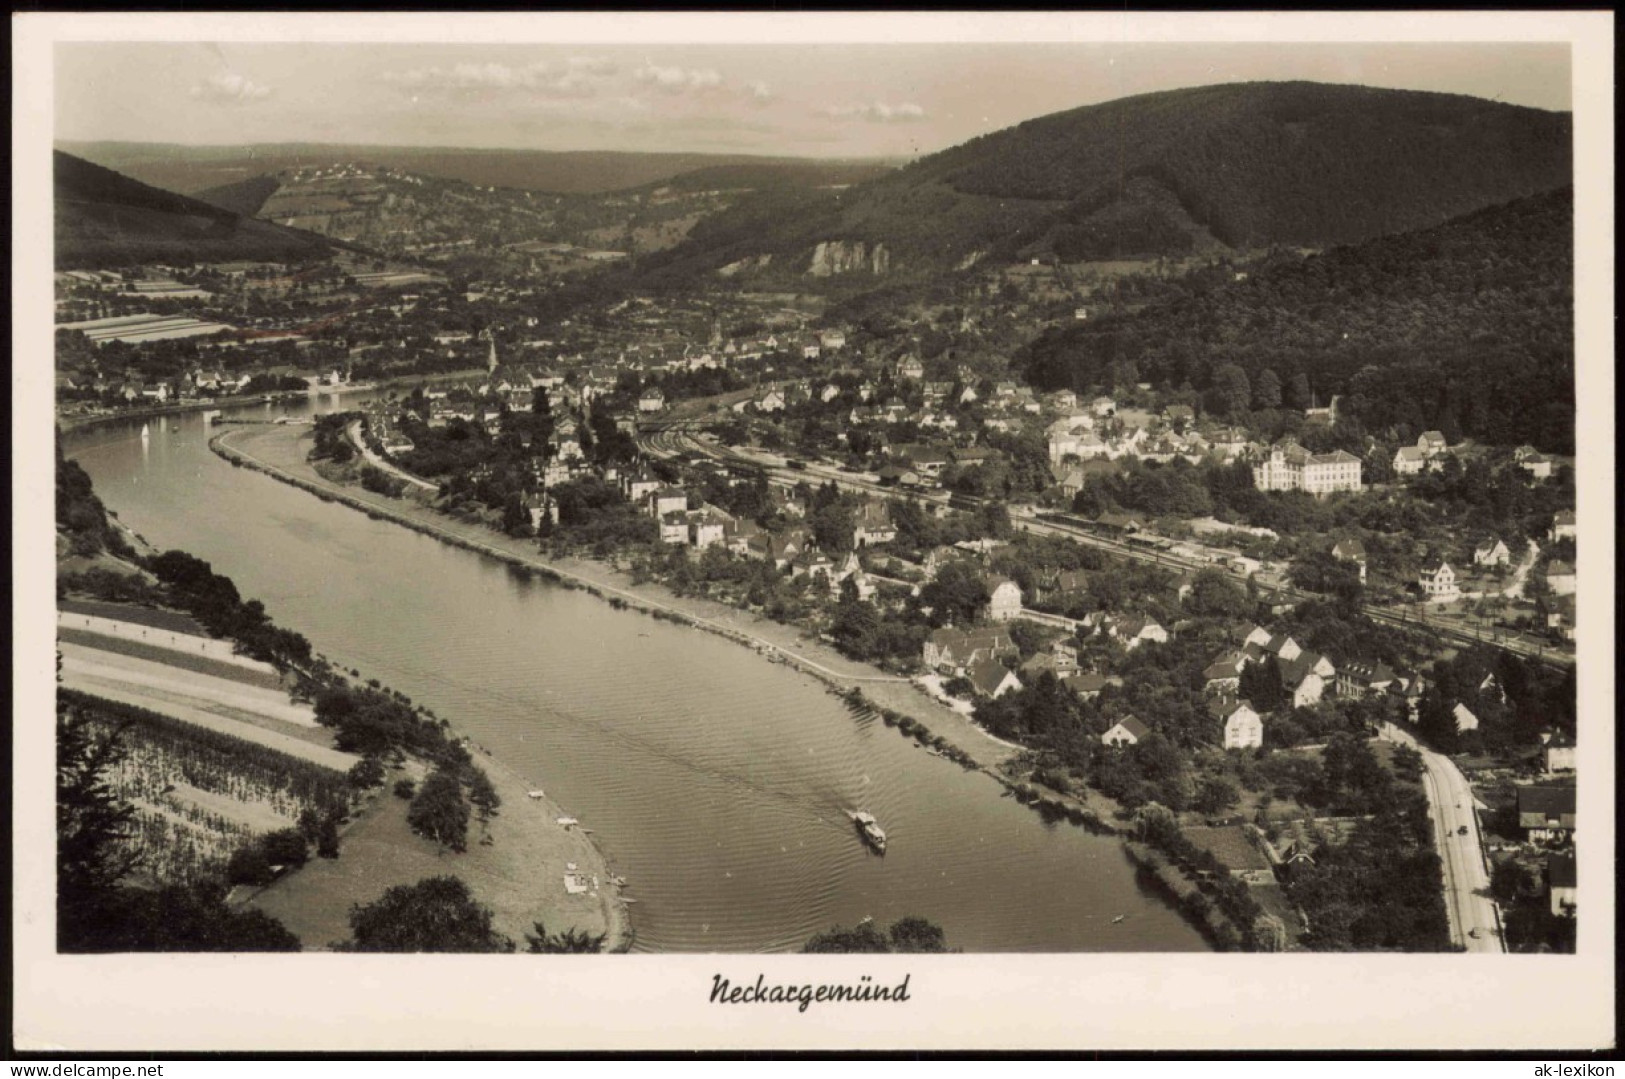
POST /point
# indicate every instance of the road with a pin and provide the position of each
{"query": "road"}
(353, 433)
(1466, 874)
(673, 440)
(1520, 576)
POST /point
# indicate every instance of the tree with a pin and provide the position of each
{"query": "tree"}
(862, 938)
(1510, 880)
(958, 594)
(1267, 390)
(483, 795)
(1215, 794)
(367, 773)
(1215, 595)
(327, 837)
(249, 865)
(914, 934)
(286, 846)
(92, 823)
(439, 811)
(1232, 391)
(437, 914)
(569, 942)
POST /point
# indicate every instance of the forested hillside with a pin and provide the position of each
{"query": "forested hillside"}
(1467, 328)
(104, 219)
(1239, 165)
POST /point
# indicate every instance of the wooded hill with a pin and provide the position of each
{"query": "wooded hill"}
(1239, 165)
(1467, 328)
(104, 219)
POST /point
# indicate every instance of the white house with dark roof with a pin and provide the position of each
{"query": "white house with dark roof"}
(1439, 583)
(1127, 731)
(992, 679)
(1492, 552)
(1563, 526)
(1004, 599)
(1241, 727)
(1560, 578)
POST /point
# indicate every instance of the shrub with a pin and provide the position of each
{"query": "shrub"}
(405, 788)
(285, 847)
(248, 865)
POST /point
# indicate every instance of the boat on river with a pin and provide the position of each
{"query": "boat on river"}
(870, 830)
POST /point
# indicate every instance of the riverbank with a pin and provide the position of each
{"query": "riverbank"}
(905, 706)
(84, 422)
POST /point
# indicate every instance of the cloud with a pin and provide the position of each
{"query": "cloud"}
(578, 79)
(877, 112)
(230, 88)
(678, 80)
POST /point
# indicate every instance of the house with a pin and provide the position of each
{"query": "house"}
(1176, 415)
(911, 368)
(771, 401)
(1558, 753)
(992, 679)
(1546, 813)
(1242, 727)
(1563, 526)
(1303, 684)
(811, 563)
(1491, 553)
(1538, 465)
(1359, 679)
(1223, 675)
(1061, 400)
(1279, 645)
(674, 528)
(1560, 578)
(707, 529)
(1125, 732)
(1465, 720)
(924, 460)
(1004, 599)
(895, 476)
(872, 524)
(1409, 461)
(1135, 630)
(1086, 684)
(1351, 550)
(651, 401)
(1439, 583)
(1290, 467)
(1561, 879)
(1432, 443)
(832, 340)
(952, 651)
(637, 487)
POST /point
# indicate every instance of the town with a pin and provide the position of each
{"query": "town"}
(1235, 607)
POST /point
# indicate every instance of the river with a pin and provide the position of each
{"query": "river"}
(715, 781)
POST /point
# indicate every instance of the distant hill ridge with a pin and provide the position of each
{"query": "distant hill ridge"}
(104, 219)
(193, 169)
(1235, 165)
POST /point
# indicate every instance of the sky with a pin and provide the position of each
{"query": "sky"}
(813, 100)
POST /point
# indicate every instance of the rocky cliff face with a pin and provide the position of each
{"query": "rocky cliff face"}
(848, 256)
(744, 265)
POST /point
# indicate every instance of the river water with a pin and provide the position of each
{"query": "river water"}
(715, 781)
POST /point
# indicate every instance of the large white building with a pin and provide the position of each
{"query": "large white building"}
(1290, 467)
